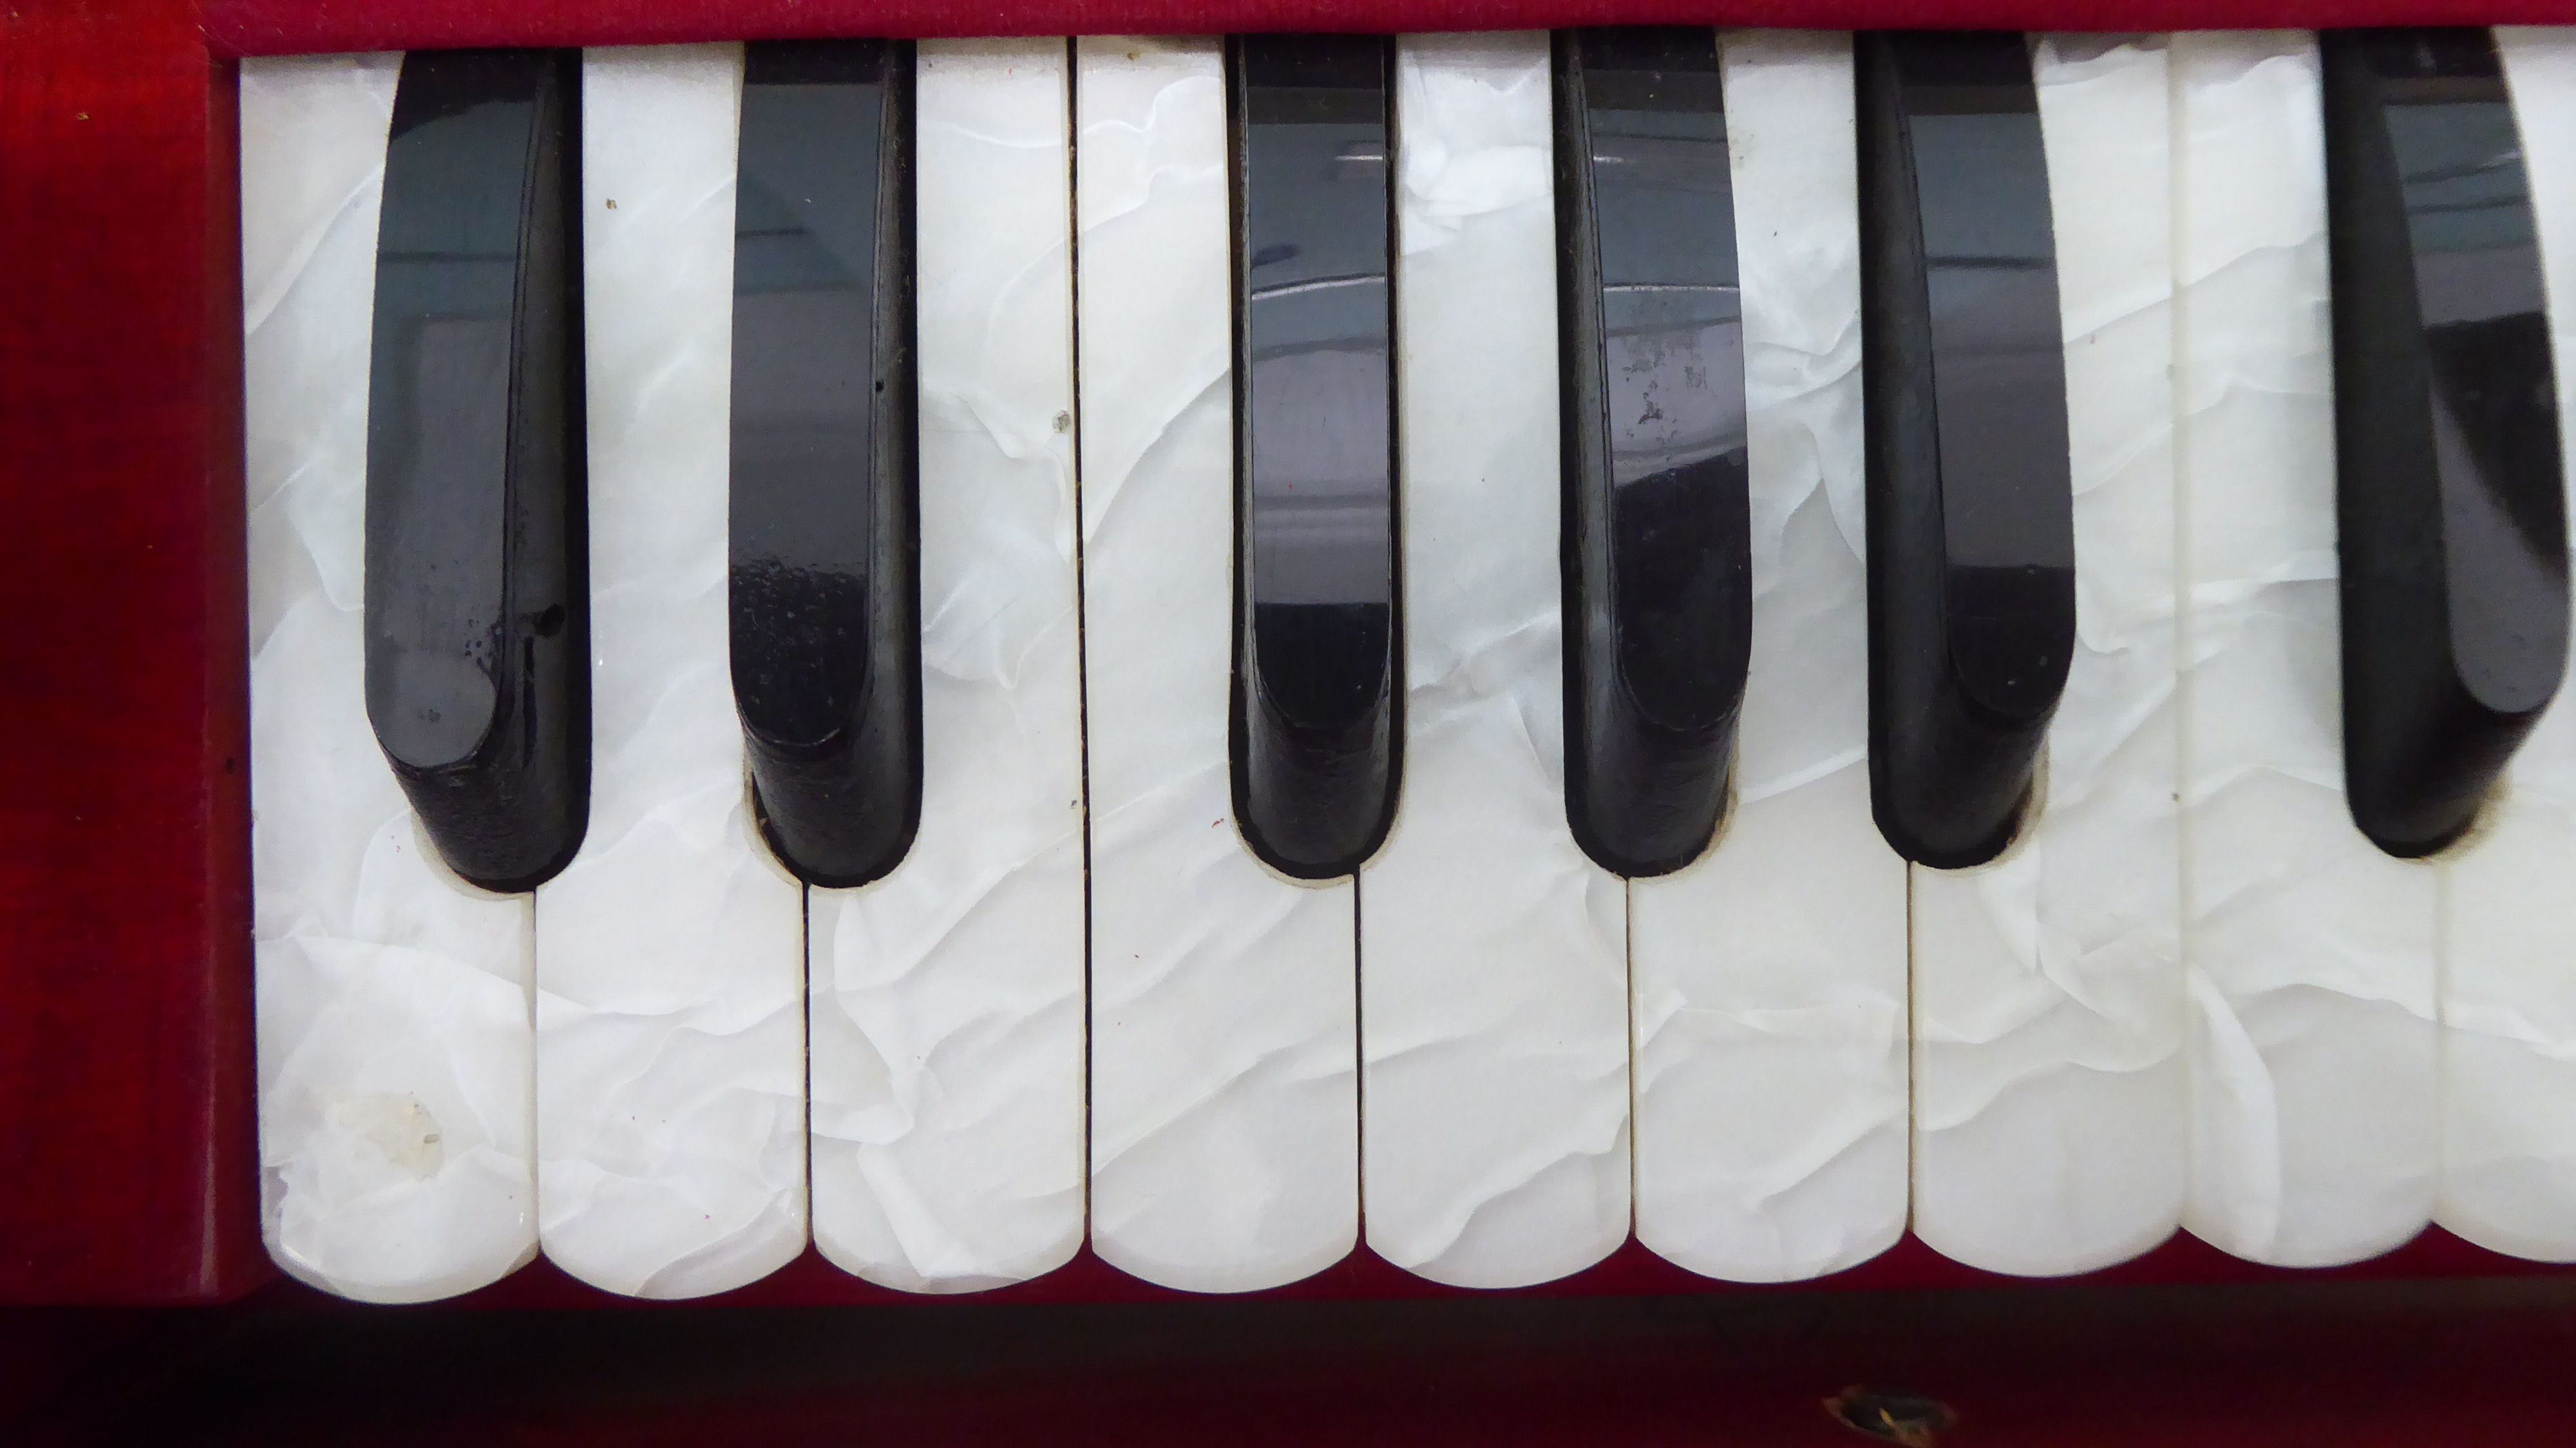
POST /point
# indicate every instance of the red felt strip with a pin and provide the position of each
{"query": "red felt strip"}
(287, 27)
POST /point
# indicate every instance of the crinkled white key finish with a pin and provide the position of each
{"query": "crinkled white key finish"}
(2509, 932)
(2309, 954)
(1769, 976)
(2050, 1102)
(1224, 1110)
(670, 959)
(1493, 967)
(946, 1004)
(395, 1085)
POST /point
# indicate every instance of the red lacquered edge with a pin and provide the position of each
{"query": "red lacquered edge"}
(286, 27)
(127, 1166)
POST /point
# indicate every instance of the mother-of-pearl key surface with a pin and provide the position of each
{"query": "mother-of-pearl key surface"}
(1769, 977)
(1493, 985)
(2049, 1110)
(946, 998)
(1224, 1102)
(395, 1085)
(2310, 963)
(2508, 915)
(670, 953)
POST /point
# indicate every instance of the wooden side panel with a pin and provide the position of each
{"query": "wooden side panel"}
(289, 27)
(127, 1162)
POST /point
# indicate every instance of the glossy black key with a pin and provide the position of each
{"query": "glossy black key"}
(1971, 511)
(1317, 732)
(477, 638)
(825, 598)
(2453, 528)
(1658, 575)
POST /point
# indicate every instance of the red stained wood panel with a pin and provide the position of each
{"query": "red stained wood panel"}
(288, 27)
(127, 1169)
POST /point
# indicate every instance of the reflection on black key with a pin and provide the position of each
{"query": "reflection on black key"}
(477, 611)
(1971, 521)
(825, 602)
(1316, 733)
(1658, 576)
(2453, 527)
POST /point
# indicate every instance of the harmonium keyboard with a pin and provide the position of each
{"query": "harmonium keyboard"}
(1342, 647)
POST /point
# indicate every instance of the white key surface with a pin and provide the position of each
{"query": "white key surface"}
(1224, 1103)
(1493, 968)
(1770, 976)
(946, 999)
(395, 1084)
(2310, 955)
(2050, 1105)
(2509, 914)
(670, 953)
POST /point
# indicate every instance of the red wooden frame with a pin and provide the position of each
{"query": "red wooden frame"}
(128, 1161)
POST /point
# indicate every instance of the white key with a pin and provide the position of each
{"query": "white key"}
(1770, 975)
(2310, 954)
(947, 997)
(1493, 972)
(2050, 1102)
(1224, 1110)
(670, 961)
(2509, 927)
(395, 1085)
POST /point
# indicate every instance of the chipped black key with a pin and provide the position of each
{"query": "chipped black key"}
(2452, 525)
(1658, 573)
(1971, 513)
(824, 564)
(477, 637)
(1316, 728)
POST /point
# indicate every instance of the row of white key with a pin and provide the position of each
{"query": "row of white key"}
(2192, 994)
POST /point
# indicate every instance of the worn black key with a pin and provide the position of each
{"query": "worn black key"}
(1317, 734)
(825, 600)
(1971, 521)
(476, 599)
(1658, 574)
(2452, 525)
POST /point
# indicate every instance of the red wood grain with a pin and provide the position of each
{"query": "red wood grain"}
(126, 1162)
(285, 27)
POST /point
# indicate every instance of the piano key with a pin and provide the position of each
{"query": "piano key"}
(474, 620)
(1770, 975)
(2311, 968)
(1316, 768)
(1224, 1108)
(1493, 974)
(946, 999)
(2452, 529)
(2451, 514)
(1971, 549)
(395, 1080)
(2508, 1052)
(670, 963)
(822, 590)
(2050, 1125)
(1653, 388)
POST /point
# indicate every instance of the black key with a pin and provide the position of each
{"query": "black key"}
(825, 599)
(1971, 509)
(477, 603)
(1658, 571)
(1317, 733)
(2453, 528)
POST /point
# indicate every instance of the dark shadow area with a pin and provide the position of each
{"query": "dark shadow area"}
(2456, 1363)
